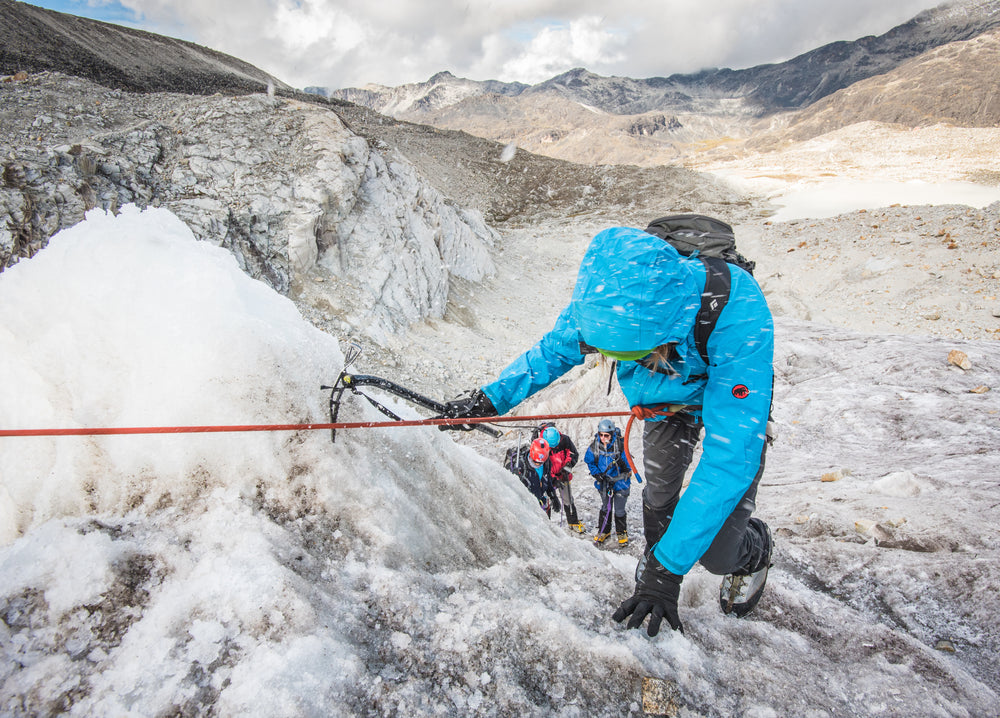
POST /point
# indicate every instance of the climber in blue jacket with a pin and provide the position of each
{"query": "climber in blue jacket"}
(605, 458)
(636, 301)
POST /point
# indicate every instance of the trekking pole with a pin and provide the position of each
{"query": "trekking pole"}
(607, 509)
(562, 514)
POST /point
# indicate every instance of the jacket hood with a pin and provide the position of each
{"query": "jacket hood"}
(634, 291)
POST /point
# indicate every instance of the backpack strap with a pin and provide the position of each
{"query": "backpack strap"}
(713, 300)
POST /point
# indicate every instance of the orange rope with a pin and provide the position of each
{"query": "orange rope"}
(106, 431)
(643, 413)
(628, 454)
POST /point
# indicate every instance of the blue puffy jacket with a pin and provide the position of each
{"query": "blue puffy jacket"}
(611, 461)
(636, 292)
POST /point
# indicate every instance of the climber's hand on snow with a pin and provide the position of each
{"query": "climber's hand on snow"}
(475, 404)
(656, 594)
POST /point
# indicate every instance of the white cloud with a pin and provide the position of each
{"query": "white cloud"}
(304, 23)
(339, 43)
(584, 42)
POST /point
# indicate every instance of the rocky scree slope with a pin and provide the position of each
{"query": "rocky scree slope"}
(900, 270)
(526, 187)
(33, 39)
(954, 84)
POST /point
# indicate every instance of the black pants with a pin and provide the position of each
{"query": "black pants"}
(668, 447)
(616, 504)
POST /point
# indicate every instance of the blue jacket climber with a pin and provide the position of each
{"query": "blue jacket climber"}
(634, 293)
(639, 301)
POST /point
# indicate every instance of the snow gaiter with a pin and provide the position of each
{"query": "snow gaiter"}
(621, 525)
(654, 524)
(761, 539)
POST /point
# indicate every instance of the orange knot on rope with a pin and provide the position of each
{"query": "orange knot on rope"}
(644, 413)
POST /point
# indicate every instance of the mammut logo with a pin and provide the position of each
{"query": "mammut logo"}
(740, 391)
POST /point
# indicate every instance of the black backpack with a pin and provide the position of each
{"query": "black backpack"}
(514, 458)
(704, 236)
(713, 242)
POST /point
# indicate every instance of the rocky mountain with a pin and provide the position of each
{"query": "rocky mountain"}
(36, 40)
(441, 90)
(284, 185)
(954, 84)
(763, 89)
(807, 78)
(661, 120)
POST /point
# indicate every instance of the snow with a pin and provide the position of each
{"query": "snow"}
(399, 571)
(837, 196)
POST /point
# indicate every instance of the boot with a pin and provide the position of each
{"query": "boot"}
(741, 591)
(600, 537)
(621, 530)
(602, 527)
(577, 527)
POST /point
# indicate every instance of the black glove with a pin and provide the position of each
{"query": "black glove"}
(556, 506)
(655, 596)
(474, 404)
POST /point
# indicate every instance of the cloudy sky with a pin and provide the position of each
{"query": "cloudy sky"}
(343, 43)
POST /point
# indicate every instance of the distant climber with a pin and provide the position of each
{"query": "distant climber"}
(562, 457)
(605, 457)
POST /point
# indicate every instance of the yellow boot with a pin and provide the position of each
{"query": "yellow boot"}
(601, 537)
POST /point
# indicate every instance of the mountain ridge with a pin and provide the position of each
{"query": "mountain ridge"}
(763, 89)
(955, 84)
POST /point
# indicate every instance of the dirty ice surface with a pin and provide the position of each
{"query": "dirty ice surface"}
(397, 572)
